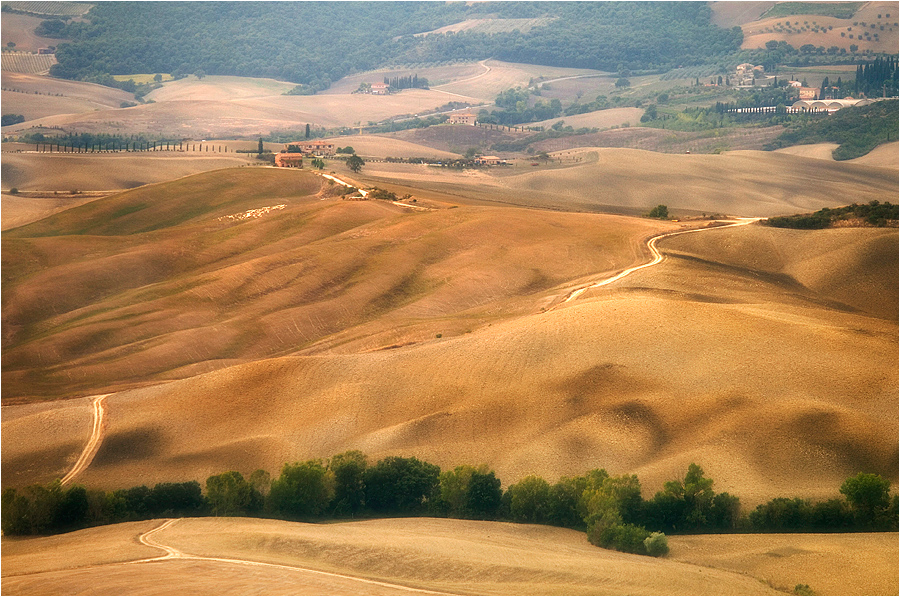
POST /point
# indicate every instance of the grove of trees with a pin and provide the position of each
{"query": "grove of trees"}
(312, 44)
(610, 509)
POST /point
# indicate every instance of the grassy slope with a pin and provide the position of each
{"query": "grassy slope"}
(748, 183)
(159, 288)
(443, 555)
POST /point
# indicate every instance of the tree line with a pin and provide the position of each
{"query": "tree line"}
(877, 78)
(873, 213)
(610, 509)
(407, 82)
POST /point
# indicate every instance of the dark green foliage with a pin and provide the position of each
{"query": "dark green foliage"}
(858, 130)
(349, 471)
(8, 119)
(407, 82)
(621, 537)
(484, 495)
(529, 500)
(400, 485)
(229, 494)
(801, 589)
(660, 211)
(690, 504)
(869, 498)
(51, 28)
(303, 490)
(355, 163)
(516, 108)
(177, 499)
(297, 41)
(873, 213)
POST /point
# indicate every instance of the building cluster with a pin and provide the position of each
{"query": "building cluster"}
(293, 153)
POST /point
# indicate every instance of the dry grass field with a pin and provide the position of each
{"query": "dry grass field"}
(103, 172)
(19, 29)
(758, 32)
(886, 155)
(599, 119)
(750, 183)
(37, 97)
(425, 555)
(373, 306)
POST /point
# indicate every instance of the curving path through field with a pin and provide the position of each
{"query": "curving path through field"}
(90, 450)
(174, 554)
(658, 257)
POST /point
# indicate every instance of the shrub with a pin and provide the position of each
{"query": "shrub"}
(621, 537)
(656, 544)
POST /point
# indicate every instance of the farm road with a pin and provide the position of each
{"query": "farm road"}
(173, 553)
(93, 444)
(658, 257)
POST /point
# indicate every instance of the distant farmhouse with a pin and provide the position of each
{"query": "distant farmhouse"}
(289, 160)
(490, 160)
(318, 147)
(293, 153)
(746, 74)
(464, 118)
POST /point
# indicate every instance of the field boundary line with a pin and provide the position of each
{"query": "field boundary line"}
(93, 444)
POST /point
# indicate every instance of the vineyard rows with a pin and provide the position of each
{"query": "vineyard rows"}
(30, 64)
(56, 9)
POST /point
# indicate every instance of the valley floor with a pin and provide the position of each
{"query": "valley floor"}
(416, 556)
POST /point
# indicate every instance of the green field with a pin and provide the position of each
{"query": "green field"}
(143, 78)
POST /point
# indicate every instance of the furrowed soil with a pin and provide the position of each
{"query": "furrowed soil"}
(450, 556)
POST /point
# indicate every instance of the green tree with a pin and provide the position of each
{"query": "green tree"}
(229, 494)
(349, 470)
(355, 163)
(622, 82)
(260, 148)
(157, 78)
(660, 211)
(401, 485)
(529, 500)
(484, 495)
(318, 163)
(869, 496)
(302, 490)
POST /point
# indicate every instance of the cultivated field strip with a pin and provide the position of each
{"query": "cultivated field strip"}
(27, 63)
(50, 8)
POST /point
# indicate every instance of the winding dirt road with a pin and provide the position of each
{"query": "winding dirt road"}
(174, 554)
(90, 450)
(658, 257)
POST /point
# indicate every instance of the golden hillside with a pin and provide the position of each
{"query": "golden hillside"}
(170, 280)
(771, 372)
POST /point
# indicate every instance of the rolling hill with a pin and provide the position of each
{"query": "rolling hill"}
(440, 334)
(416, 556)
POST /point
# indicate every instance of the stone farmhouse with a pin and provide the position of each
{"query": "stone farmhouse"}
(318, 147)
(289, 160)
(464, 118)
